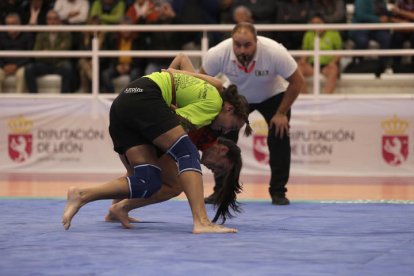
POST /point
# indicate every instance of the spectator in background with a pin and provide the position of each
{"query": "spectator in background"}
(242, 14)
(197, 12)
(162, 40)
(50, 41)
(332, 11)
(72, 11)
(372, 11)
(226, 12)
(402, 12)
(292, 12)
(211, 15)
(108, 11)
(18, 41)
(262, 12)
(34, 12)
(142, 12)
(122, 65)
(7, 7)
(329, 40)
(85, 63)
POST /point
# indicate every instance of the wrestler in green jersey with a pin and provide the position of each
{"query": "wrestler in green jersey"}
(196, 100)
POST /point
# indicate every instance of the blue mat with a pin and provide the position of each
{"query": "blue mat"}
(303, 238)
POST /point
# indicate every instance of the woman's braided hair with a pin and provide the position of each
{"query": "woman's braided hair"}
(241, 106)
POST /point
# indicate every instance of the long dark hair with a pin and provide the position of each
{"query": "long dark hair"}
(227, 197)
(241, 106)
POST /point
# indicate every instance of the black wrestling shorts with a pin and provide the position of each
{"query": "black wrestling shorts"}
(139, 115)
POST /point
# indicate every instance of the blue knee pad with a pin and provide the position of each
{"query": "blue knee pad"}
(186, 155)
(145, 181)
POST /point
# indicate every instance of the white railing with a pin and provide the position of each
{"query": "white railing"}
(95, 53)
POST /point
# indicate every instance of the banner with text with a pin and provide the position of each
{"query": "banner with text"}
(56, 135)
(328, 137)
(341, 137)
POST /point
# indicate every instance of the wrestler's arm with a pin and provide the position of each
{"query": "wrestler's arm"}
(182, 64)
(218, 84)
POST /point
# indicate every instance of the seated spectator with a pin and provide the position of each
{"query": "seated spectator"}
(262, 12)
(72, 11)
(242, 14)
(226, 12)
(85, 63)
(50, 41)
(108, 11)
(329, 40)
(123, 65)
(332, 11)
(162, 41)
(18, 41)
(142, 12)
(239, 14)
(7, 7)
(34, 12)
(210, 12)
(402, 12)
(292, 12)
(372, 11)
(197, 12)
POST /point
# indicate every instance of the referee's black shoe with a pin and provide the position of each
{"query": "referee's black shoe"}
(280, 200)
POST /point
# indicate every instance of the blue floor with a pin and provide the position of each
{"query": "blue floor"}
(303, 238)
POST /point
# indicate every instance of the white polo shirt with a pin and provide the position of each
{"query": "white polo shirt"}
(266, 74)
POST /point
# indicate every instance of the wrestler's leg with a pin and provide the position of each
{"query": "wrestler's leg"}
(130, 172)
(170, 188)
(76, 197)
(110, 218)
(117, 188)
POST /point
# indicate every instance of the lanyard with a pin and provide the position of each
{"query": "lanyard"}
(245, 69)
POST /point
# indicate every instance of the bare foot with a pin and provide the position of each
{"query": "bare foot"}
(73, 204)
(116, 212)
(110, 218)
(212, 228)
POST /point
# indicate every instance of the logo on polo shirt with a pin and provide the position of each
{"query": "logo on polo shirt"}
(133, 90)
(261, 73)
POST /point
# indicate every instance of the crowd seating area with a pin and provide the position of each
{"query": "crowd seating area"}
(201, 12)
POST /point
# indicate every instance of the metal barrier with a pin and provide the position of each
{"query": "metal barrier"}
(95, 53)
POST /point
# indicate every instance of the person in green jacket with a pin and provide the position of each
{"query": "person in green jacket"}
(329, 65)
(108, 11)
